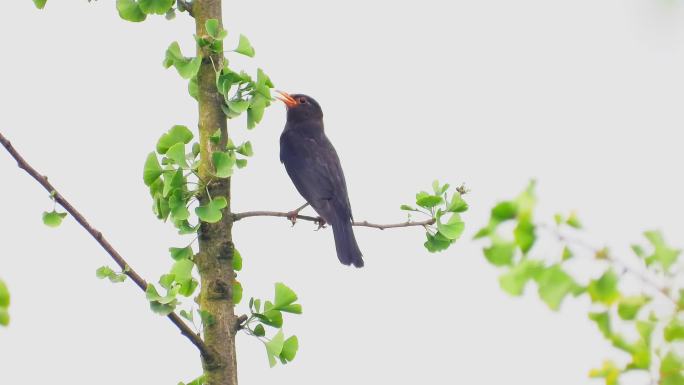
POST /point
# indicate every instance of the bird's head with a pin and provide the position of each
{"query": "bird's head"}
(300, 107)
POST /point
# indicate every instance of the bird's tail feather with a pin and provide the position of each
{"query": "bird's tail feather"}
(345, 244)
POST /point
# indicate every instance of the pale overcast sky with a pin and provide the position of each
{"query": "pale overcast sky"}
(585, 96)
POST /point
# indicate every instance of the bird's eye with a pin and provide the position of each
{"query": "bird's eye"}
(302, 100)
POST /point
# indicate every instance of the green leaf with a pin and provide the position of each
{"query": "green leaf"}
(177, 204)
(187, 67)
(158, 7)
(294, 308)
(207, 318)
(152, 170)
(558, 219)
(500, 253)
(573, 221)
(663, 254)
(130, 10)
(4, 295)
(177, 154)
(567, 253)
(40, 4)
(181, 253)
(161, 305)
(604, 289)
(166, 281)
(53, 218)
(609, 371)
(674, 330)
(645, 329)
(671, 364)
(673, 379)
(439, 190)
(628, 307)
(106, 272)
(504, 211)
(223, 163)
(214, 29)
(639, 251)
(193, 88)
(283, 296)
(4, 317)
(241, 163)
(524, 235)
(271, 318)
(515, 280)
(244, 47)
(256, 111)
(259, 330)
(211, 212)
(407, 208)
(525, 202)
(602, 320)
(423, 199)
(437, 242)
(188, 287)
(177, 134)
(237, 260)
(182, 269)
(453, 228)
(163, 309)
(457, 204)
(289, 350)
(152, 295)
(554, 285)
(173, 181)
(274, 347)
(237, 107)
(237, 292)
(245, 149)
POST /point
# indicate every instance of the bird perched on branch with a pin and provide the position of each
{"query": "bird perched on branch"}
(314, 167)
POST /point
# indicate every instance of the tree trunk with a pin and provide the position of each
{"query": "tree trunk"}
(214, 260)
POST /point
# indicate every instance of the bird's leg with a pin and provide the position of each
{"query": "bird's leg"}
(292, 215)
(321, 223)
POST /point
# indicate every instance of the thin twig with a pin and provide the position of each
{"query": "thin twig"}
(125, 267)
(605, 255)
(247, 214)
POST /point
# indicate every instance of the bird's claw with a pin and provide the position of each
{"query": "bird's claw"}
(321, 223)
(292, 216)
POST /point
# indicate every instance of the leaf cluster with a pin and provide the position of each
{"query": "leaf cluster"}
(445, 210)
(627, 320)
(270, 314)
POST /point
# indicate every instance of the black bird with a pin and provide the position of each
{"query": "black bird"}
(314, 167)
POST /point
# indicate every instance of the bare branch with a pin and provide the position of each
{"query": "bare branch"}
(247, 214)
(125, 267)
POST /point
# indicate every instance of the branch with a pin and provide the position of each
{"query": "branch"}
(125, 267)
(605, 255)
(247, 214)
(185, 5)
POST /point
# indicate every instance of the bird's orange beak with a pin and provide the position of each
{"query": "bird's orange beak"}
(287, 99)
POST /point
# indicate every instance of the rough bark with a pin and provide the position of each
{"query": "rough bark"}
(214, 260)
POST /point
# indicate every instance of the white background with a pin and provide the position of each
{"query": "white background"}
(583, 95)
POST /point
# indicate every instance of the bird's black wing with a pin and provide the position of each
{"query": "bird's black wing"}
(314, 167)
